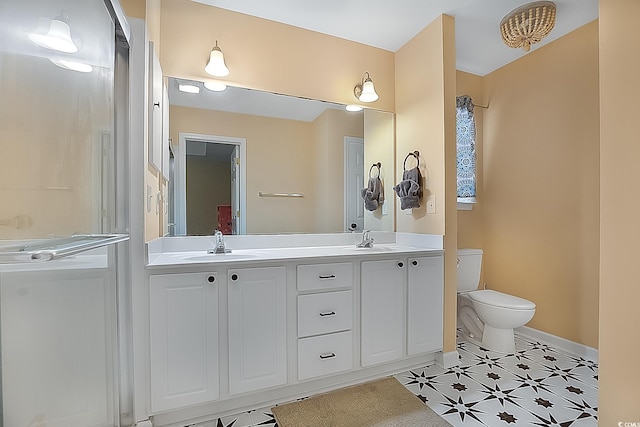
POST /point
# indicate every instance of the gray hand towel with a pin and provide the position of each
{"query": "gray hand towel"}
(372, 195)
(409, 190)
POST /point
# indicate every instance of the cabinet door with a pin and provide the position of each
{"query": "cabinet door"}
(425, 288)
(257, 328)
(382, 310)
(184, 339)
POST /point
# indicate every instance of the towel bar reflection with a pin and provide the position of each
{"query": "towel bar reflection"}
(261, 194)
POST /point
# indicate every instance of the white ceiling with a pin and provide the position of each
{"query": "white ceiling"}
(390, 24)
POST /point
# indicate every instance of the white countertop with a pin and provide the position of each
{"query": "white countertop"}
(181, 251)
(282, 254)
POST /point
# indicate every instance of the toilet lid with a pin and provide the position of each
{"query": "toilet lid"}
(498, 299)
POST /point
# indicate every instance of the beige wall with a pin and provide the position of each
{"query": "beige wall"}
(425, 121)
(270, 56)
(282, 157)
(471, 223)
(619, 374)
(379, 134)
(540, 201)
(327, 164)
(208, 185)
(50, 144)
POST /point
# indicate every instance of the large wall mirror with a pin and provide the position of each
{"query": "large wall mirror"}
(252, 162)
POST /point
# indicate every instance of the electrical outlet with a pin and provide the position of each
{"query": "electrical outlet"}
(431, 204)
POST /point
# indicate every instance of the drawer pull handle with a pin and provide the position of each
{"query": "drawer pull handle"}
(327, 313)
(327, 356)
(330, 276)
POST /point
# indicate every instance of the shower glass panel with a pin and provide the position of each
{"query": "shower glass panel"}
(59, 353)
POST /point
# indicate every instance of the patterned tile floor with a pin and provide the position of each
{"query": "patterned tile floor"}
(538, 386)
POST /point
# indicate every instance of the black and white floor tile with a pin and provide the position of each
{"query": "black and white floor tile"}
(538, 385)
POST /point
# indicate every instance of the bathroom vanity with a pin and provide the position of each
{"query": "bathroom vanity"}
(283, 317)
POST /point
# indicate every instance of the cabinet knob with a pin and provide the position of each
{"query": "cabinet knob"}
(211, 279)
(234, 277)
(401, 264)
(414, 262)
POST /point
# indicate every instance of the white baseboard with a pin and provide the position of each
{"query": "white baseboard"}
(578, 349)
(145, 423)
(447, 360)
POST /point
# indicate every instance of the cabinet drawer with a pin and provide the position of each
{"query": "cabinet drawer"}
(314, 277)
(325, 354)
(324, 313)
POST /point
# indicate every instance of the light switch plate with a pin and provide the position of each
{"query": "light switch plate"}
(431, 204)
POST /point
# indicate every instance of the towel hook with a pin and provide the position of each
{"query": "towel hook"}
(415, 154)
(378, 165)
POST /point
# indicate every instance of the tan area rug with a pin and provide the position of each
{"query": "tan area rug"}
(379, 403)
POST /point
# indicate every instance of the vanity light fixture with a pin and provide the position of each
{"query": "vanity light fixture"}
(365, 91)
(215, 86)
(187, 88)
(73, 65)
(57, 36)
(216, 66)
(353, 107)
(528, 24)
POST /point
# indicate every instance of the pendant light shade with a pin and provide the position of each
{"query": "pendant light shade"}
(216, 66)
(57, 37)
(365, 91)
(528, 24)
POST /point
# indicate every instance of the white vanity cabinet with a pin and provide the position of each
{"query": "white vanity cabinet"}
(425, 300)
(257, 328)
(325, 319)
(385, 287)
(382, 293)
(183, 339)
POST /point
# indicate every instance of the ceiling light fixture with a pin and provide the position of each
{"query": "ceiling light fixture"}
(57, 36)
(216, 66)
(215, 86)
(528, 24)
(365, 91)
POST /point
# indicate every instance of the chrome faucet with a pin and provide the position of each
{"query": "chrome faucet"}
(219, 248)
(367, 240)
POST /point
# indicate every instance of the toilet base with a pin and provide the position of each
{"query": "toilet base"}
(500, 340)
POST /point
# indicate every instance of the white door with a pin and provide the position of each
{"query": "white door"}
(183, 340)
(382, 311)
(425, 288)
(354, 183)
(235, 189)
(257, 328)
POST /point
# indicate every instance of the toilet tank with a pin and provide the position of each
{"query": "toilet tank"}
(469, 265)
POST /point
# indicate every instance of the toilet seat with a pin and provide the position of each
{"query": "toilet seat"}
(498, 299)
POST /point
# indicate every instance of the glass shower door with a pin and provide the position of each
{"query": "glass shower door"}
(59, 353)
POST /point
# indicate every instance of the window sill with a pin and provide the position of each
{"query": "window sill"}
(466, 203)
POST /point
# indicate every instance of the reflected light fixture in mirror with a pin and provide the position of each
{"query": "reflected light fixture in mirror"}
(365, 91)
(57, 35)
(216, 66)
(188, 88)
(215, 86)
(73, 65)
(353, 107)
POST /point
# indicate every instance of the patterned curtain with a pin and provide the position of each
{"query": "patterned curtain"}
(466, 147)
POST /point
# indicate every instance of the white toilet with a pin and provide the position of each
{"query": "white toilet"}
(486, 313)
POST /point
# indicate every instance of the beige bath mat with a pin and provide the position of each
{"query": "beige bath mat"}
(379, 403)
